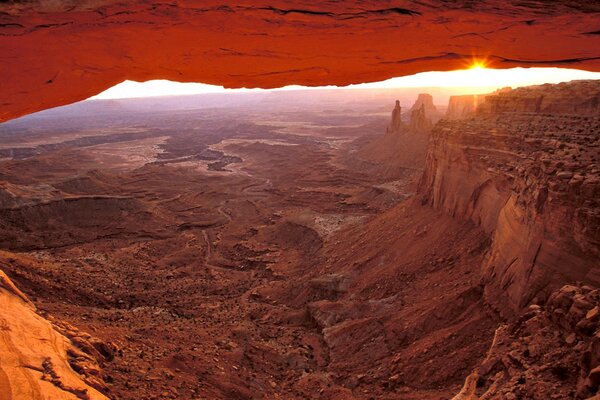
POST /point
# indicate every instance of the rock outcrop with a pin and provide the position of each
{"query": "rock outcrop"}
(425, 101)
(403, 147)
(576, 98)
(464, 106)
(528, 175)
(419, 120)
(38, 362)
(395, 126)
(549, 352)
(64, 51)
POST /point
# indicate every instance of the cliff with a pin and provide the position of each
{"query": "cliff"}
(460, 107)
(425, 101)
(420, 122)
(583, 99)
(526, 172)
(464, 106)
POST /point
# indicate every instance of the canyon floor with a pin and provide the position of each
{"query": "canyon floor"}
(206, 247)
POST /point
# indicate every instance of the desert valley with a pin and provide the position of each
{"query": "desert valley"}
(294, 245)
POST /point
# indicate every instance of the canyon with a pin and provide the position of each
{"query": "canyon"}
(281, 248)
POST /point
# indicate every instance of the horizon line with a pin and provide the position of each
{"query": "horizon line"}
(477, 79)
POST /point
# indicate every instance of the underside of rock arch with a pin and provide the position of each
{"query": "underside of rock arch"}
(58, 52)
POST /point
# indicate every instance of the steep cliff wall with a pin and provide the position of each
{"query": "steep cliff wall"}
(419, 121)
(526, 170)
(578, 98)
(549, 352)
(460, 107)
(425, 101)
(464, 106)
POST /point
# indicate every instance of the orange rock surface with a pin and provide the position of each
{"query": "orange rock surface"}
(35, 364)
(58, 52)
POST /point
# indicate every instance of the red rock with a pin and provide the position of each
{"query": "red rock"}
(571, 338)
(463, 179)
(61, 52)
(586, 326)
(594, 376)
(419, 121)
(396, 121)
(425, 100)
(593, 313)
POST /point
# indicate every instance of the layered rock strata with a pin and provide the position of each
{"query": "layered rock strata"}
(425, 101)
(526, 171)
(420, 122)
(464, 106)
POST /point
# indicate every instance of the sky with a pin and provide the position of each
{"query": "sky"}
(477, 79)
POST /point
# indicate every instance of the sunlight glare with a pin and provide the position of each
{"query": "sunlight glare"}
(477, 65)
(476, 79)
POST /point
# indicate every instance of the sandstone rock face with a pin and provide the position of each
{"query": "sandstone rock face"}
(464, 106)
(425, 100)
(58, 52)
(460, 107)
(419, 121)
(396, 121)
(531, 180)
(38, 362)
(551, 99)
(550, 352)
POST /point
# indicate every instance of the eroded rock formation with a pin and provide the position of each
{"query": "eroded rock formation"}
(464, 106)
(425, 100)
(38, 362)
(526, 172)
(549, 352)
(419, 120)
(566, 98)
(404, 145)
(395, 126)
(58, 52)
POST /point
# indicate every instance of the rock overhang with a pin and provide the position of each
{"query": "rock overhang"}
(58, 52)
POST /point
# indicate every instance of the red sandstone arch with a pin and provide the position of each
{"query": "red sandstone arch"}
(54, 53)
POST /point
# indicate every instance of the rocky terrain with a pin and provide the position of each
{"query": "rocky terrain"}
(548, 352)
(525, 169)
(296, 265)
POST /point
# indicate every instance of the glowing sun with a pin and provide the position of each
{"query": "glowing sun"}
(477, 65)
